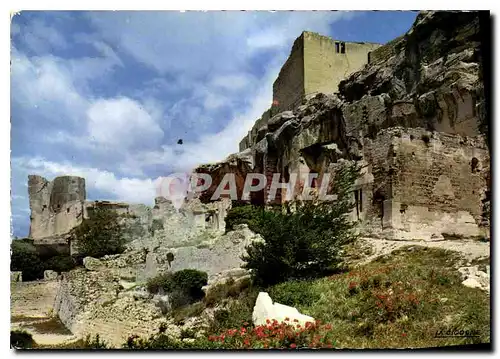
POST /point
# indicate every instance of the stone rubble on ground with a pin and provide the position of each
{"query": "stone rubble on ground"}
(475, 278)
(265, 309)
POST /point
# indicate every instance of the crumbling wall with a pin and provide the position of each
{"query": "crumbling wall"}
(325, 66)
(289, 86)
(427, 184)
(56, 207)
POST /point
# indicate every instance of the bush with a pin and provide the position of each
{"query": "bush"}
(184, 286)
(20, 339)
(246, 214)
(60, 263)
(99, 235)
(305, 243)
(25, 258)
(294, 293)
(162, 282)
(191, 281)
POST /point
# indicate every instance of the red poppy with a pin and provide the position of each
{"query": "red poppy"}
(293, 345)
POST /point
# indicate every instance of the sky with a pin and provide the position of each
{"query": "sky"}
(107, 95)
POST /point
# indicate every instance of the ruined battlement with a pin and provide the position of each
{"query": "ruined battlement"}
(316, 64)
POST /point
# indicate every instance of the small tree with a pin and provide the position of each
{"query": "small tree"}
(99, 235)
(25, 258)
(305, 243)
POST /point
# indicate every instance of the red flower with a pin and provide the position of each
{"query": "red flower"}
(268, 321)
(403, 334)
(293, 345)
(328, 326)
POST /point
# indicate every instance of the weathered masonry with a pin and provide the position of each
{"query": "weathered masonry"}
(316, 64)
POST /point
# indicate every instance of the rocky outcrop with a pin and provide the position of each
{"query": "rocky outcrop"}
(413, 119)
(265, 310)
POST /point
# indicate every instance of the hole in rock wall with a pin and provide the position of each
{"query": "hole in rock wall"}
(474, 164)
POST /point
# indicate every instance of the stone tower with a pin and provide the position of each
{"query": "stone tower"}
(56, 207)
(316, 64)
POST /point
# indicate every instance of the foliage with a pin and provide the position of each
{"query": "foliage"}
(307, 242)
(294, 293)
(191, 281)
(184, 286)
(286, 335)
(162, 281)
(60, 263)
(20, 339)
(25, 258)
(243, 214)
(99, 235)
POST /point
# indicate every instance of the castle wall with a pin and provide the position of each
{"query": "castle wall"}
(325, 66)
(426, 183)
(289, 86)
(57, 206)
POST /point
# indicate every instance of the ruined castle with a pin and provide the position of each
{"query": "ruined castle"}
(410, 112)
(315, 65)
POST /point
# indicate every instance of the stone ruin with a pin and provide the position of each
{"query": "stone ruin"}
(413, 117)
(60, 205)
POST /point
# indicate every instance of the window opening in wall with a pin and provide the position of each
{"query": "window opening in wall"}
(342, 48)
(337, 47)
(67, 210)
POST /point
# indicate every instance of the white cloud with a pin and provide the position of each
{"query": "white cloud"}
(122, 122)
(133, 190)
(232, 81)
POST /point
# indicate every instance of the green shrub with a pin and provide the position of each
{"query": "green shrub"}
(305, 243)
(184, 286)
(25, 258)
(99, 235)
(20, 339)
(160, 282)
(294, 293)
(191, 281)
(246, 214)
(60, 263)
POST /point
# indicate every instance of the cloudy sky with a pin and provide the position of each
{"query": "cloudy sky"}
(106, 95)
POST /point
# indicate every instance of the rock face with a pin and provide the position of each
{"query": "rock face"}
(413, 117)
(108, 297)
(265, 309)
(56, 208)
(50, 275)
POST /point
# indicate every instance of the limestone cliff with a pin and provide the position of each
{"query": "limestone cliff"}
(413, 118)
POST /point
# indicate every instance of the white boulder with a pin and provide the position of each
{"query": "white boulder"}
(265, 309)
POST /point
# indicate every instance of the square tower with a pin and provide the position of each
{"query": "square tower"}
(316, 64)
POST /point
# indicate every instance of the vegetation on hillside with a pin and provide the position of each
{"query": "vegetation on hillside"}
(307, 242)
(99, 235)
(26, 259)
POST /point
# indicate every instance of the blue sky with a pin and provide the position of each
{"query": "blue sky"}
(106, 95)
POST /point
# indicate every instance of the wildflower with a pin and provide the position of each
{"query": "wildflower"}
(403, 334)
(287, 319)
(296, 320)
(328, 326)
(293, 345)
(268, 321)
